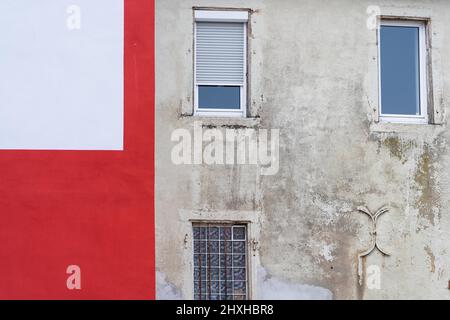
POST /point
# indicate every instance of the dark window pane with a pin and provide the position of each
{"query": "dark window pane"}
(239, 233)
(239, 260)
(213, 233)
(199, 259)
(214, 287)
(225, 261)
(213, 260)
(240, 287)
(199, 287)
(239, 247)
(213, 246)
(214, 274)
(200, 246)
(219, 97)
(199, 274)
(199, 233)
(239, 274)
(226, 274)
(225, 233)
(225, 246)
(196, 232)
(226, 287)
(400, 93)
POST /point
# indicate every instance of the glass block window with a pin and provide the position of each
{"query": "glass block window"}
(220, 262)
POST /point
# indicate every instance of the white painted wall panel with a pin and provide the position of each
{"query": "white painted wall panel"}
(61, 88)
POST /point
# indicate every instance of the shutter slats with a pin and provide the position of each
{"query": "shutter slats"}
(220, 52)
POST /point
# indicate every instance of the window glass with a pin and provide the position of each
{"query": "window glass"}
(220, 262)
(400, 70)
(219, 97)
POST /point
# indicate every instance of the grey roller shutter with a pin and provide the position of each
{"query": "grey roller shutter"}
(220, 53)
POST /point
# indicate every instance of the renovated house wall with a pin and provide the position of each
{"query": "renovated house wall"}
(76, 149)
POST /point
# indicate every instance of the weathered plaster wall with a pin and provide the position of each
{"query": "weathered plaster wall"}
(313, 76)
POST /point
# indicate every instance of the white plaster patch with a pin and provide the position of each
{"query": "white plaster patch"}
(332, 209)
(327, 252)
(327, 209)
(270, 288)
(166, 290)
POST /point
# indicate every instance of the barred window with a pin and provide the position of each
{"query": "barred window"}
(220, 262)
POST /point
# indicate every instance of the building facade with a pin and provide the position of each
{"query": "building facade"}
(302, 149)
(77, 149)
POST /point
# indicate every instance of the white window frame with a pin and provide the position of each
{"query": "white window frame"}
(423, 70)
(221, 16)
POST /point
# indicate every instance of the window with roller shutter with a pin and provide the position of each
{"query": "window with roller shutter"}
(220, 63)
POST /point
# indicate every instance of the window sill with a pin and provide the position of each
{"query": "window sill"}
(404, 120)
(408, 128)
(224, 122)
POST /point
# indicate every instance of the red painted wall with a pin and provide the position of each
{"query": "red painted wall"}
(88, 208)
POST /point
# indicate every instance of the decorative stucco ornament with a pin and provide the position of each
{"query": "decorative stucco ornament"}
(374, 244)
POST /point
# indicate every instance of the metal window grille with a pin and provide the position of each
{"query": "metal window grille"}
(220, 262)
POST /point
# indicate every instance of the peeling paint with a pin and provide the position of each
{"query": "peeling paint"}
(166, 290)
(431, 258)
(427, 200)
(272, 288)
(327, 251)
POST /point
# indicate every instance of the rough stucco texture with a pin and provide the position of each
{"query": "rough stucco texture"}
(311, 76)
